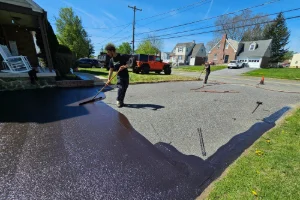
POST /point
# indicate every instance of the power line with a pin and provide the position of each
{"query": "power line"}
(114, 35)
(231, 23)
(294, 17)
(270, 2)
(203, 2)
(193, 22)
(190, 5)
(153, 15)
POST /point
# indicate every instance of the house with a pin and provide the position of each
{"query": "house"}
(198, 55)
(255, 54)
(224, 51)
(20, 21)
(295, 61)
(182, 52)
(165, 56)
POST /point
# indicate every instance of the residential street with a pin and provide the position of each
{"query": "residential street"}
(233, 76)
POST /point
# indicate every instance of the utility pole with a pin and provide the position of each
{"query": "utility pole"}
(133, 25)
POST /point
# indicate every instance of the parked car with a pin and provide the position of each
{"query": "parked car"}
(235, 64)
(87, 63)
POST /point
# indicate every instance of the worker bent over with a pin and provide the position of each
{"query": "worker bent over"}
(207, 68)
(119, 63)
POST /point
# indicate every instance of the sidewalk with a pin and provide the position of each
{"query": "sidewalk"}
(98, 80)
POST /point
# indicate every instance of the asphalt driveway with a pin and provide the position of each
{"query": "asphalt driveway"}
(172, 112)
(51, 148)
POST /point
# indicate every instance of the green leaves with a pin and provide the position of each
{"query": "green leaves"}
(146, 47)
(72, 34)
(125, 48)
(279, 33)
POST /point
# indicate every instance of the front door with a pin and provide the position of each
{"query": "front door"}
(226, 59)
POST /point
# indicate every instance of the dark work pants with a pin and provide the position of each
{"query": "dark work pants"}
(206, 76)
(122, 84)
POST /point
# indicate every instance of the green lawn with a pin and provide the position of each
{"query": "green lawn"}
(280, 73)
(140, 78)
(199, 68)
(270, 169)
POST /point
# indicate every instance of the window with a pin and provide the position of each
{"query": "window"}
(227, 45)
(202, 50)
(252, 46)
(219, 46)
(296, 62)
(179, 57)
(216, 57)
(187, 49)
(179, 49)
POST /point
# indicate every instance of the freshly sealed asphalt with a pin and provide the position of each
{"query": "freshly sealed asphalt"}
(52, 148)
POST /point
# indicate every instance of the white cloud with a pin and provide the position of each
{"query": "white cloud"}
(209, 9)
(109, 15)
(226, 11)
(94, 20)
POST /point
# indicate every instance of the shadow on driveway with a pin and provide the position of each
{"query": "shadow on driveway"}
(204, 172)
(45, 105)
(139, 106)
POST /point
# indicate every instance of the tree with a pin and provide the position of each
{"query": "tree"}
(125, 48)
(211, 44)
(289, 55)
(91, 49)
(150, 45)
(156, 42)
(241, 27)
(71, 33)
(279, 33)
(145, 47)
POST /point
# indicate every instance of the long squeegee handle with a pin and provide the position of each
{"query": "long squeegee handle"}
(106, 84)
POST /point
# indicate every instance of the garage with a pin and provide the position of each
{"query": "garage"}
(254, 63)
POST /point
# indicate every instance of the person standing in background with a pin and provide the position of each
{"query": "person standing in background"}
(207, 68)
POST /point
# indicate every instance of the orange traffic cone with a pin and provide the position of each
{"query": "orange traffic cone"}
(262, 81)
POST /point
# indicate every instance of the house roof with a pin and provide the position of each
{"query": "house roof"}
(196, 49)
(25, 3)
(185, 44)
(233, 43)
(261, 50)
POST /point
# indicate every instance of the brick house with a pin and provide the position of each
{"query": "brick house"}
(224, 51)
(20, 20)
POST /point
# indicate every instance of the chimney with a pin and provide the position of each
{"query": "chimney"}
(224, 37)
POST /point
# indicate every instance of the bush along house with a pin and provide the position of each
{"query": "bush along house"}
(255, 54)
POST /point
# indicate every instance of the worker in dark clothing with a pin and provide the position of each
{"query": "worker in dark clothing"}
(207, 68)
(119, 63)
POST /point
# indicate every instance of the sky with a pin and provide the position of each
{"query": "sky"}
(111, 21)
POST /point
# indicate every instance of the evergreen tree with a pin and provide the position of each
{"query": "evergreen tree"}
(279, 33)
